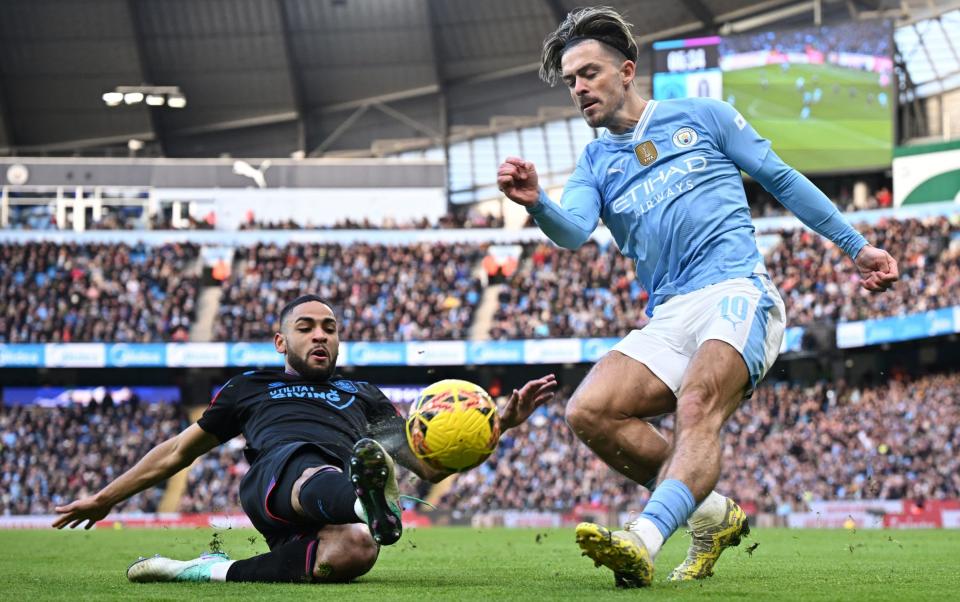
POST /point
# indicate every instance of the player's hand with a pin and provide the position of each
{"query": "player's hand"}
(75, 513)
(517, 179)
(878, 270)
(522, 403)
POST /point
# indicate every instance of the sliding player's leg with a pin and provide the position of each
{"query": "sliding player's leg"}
(336, 553)
(307, 509)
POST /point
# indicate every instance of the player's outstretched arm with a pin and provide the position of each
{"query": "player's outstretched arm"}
(160, 463)
(570, 224)
(528, 398)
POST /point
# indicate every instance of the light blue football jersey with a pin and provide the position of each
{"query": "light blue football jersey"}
(671, 193)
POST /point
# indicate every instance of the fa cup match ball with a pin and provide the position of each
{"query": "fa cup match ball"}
(454, 425)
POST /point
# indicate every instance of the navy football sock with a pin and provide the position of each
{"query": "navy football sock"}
(288, 563)
(328, 497)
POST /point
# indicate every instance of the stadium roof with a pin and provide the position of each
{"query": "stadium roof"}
(270, 77)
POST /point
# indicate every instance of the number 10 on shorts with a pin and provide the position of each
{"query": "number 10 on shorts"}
(733, 308)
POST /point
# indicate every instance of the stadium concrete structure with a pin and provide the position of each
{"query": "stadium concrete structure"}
(140, 242)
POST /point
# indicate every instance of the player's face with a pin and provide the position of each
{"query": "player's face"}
(310, 341)
(596, 81)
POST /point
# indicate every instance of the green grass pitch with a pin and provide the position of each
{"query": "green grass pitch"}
(499, 564)
(848, 129)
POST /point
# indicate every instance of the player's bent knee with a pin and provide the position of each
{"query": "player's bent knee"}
(699, 408)
(581, 417)
(351, 554)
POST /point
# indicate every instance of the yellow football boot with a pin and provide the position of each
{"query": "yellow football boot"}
(707, 545)
(620, 551)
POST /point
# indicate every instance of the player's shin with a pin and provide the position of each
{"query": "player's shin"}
(288, 563)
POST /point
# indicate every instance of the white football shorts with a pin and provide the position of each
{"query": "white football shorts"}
(747, 313)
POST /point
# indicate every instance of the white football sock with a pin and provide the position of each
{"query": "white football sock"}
(218, 571)
(649, 534)
(709, 513)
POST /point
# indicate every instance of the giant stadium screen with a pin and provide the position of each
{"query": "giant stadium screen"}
(824, 96)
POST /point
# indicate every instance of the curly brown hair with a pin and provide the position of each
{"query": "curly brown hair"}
(600, 23)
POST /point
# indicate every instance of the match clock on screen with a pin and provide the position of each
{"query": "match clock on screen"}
(687, 68)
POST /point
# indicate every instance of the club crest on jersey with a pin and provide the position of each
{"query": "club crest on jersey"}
(345, 385)
(646, 152)
(684, 137)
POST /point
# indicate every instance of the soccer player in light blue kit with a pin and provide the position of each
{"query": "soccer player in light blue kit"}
(665, 178)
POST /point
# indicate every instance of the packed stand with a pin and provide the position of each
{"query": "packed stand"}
(52, 456)
(790, 445)
(470, 219)
(423, 291)
(70, 292)
(590, 292)
(819, 283)
(213, 484)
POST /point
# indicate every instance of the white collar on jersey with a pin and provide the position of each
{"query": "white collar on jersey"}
(638, 130)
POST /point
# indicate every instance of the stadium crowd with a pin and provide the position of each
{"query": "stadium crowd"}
(590, 292)
(787, 446)
(213, 483)
(52, 456)
(819, 284)
(471, 219)
(70, 292)
(424, 291)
